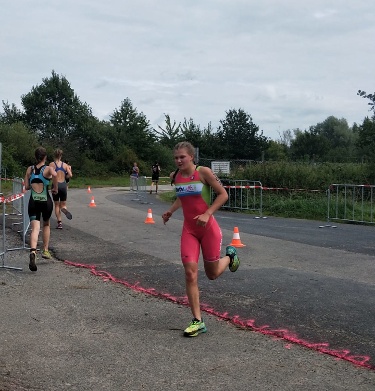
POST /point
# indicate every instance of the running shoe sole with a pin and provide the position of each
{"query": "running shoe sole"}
(234, 260)
(32, 264)
(202, 330)
(67, 213)
(199, 328)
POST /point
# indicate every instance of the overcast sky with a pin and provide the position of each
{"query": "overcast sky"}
(288, 63)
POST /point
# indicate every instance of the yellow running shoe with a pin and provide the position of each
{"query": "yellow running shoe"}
(46, 254)
(195, 327)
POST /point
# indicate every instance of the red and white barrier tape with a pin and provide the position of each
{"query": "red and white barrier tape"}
(243, 187)
(11, 198)
(266, 188)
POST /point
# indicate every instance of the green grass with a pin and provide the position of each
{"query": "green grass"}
(302, 205)
(168, 196)
(114, 181)
(6, 187)
(306, 205)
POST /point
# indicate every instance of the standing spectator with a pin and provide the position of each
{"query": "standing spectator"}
(155, 174)
(200, 229)
(37, 180)
(60, 196)
(134, 177)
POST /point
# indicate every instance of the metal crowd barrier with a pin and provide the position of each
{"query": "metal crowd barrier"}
(139, 186)
(352, 203)
(14, 214)
(243, 195)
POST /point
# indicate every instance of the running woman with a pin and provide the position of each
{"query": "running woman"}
(200, 229)
(37, 180)
(155, 174)
(60, 196)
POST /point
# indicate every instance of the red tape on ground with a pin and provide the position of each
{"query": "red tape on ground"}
(284, 334)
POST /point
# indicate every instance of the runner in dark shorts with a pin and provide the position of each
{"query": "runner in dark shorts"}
(155, 174)
(63, 171)
(40, 205)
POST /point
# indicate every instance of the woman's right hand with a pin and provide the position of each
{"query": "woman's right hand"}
(166, 216)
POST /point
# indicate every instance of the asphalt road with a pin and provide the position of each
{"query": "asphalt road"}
(311, 285)
(298, 314)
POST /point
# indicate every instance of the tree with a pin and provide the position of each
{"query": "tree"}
(132, 129)
(371, 97)
(331, 140)
(97, 140)
(240, 138)
(18, 147)
(11, 114)
(366, 139)
(191, 132)
(340, 139)
(276, 151)
(54, 112)
(171, 134)
(308, 145)
(286, 138)
(366, 131)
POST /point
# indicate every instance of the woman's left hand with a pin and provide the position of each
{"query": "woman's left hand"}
(202, 220)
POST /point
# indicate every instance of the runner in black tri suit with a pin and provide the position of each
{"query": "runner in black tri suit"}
(63, 171)
(37, 180)
(155, 174)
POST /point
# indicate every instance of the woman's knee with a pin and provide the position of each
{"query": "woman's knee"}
(191, 274)
(211, 270)
(212, 275)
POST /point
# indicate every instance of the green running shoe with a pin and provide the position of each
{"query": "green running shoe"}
(195, 327)
(46, 254)
(234, 260)
(32, 264)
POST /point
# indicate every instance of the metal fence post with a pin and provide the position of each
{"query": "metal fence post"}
(354, 203)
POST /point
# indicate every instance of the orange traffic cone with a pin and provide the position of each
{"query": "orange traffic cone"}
(92, 203)
(149, 219)
(89, 189)
(236, 241)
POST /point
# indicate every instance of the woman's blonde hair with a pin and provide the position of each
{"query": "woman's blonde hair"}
(58, 153)
(185, 144)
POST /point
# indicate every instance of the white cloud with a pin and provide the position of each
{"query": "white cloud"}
(325, 13)
(288, 64)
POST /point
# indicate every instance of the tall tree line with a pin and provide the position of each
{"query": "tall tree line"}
(52, 115)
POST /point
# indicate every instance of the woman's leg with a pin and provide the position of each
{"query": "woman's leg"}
(190, 250)
(192, 290)
(46, 234)
(211, 242)
(215, 269)
(58, 211)
(35, 228)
